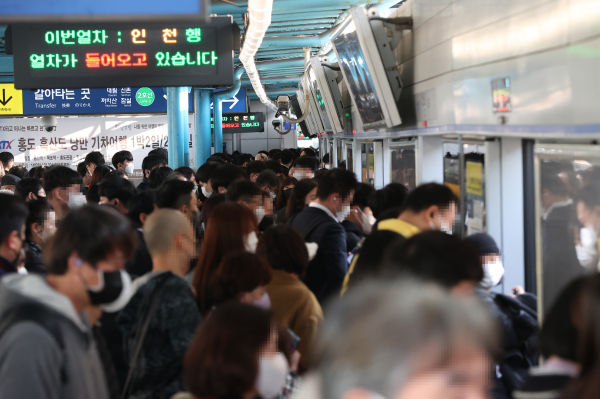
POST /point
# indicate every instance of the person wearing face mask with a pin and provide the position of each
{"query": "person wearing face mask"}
(46, 331)
(243, 277)
(360, 220)
(40, 227)
(123, 160)
(516, 315)
(62, 189)
(320, 223)
(326, 163)
(156, 372)
(247, 193)
(254, 169)
(283, 195)
(236, 354)
(304, 168)
(269, 183)
(13, 218)
(231, 227)
(430, 206)
(30, 188)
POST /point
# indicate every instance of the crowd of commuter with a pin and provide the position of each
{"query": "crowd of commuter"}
(274, 276)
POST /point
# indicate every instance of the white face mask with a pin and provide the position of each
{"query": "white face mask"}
(264, 302)
(129, 169)
(341, 215)
(260, 213)
(298, 175)
(205, 193)
(327, 166)
(250, 242)
(443, 228)
(76, 200)
(46, 235)
(272, 373)
(273, 196)
(492, 274)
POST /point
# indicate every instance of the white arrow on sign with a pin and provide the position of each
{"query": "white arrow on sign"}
(233, 100)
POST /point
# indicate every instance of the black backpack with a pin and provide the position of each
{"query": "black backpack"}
(517, 360)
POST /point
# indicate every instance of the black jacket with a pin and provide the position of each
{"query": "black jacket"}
(142, 263)
(353, 235)
(143, 186)
(558, 252)
(33, 260)
(326, 272)
(519, 326)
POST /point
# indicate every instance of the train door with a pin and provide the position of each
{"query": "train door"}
(349, 154)
(340, 155)
(372, 164)
(566, 229)
(401, 164)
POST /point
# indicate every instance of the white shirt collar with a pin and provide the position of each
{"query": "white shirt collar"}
(559, 204)
(324, 209)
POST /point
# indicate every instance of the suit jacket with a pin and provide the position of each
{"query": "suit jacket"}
(326, 272)
(286, 170)
(353, 234)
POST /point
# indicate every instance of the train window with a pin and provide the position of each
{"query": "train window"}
(568, 216)
(403, 168)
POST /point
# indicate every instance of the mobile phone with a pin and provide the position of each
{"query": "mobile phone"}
(295, 339)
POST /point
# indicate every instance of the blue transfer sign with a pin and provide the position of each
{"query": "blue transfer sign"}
(122, 100)
(236, 104)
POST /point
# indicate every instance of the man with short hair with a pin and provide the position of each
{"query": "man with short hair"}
(179, 195)
(13, 214)
(62, 186)
(326, 162)
(320, 223)
(150, 163)
(275, 154)
(245, 192)
(93, 160)
(304, 168)
(253, 169)
(203, 178)
(161, 152)
(47, 349)
(30, 189)
(243, 160)
(123, 160)
(223, 176)
(287, 157)
(269, 182)
(308, 152)
(118, 192)
(158, 370)
(430, 206)
(7, 159)
(9, 182)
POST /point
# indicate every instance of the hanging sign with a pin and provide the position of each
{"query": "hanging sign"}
(248, 122)
(120, 54)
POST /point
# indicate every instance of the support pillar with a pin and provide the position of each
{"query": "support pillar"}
(178, 122)
(202, 125)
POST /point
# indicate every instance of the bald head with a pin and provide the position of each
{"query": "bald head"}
(163, 227)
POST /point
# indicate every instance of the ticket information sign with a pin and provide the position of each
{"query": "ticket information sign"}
(123, 54)
(247, 122)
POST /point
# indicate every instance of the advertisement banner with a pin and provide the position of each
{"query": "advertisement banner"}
(75, 137)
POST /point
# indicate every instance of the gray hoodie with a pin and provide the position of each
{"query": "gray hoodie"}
(31, 361)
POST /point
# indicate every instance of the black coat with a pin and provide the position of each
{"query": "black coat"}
(326, 272)
(558, 252)
(142, 263)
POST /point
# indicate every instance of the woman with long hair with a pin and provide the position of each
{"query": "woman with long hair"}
(97, 177)
(231, 227)
(284, 192)
(302, 194)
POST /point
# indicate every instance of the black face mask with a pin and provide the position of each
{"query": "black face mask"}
(287, 193)
(109, 288)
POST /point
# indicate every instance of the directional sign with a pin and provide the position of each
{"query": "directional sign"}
(115, 100)
(237, 103)
(11, 100)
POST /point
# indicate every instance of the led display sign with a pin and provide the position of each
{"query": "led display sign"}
(122, 54)
(247, 122)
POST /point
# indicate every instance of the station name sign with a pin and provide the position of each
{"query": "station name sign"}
(123, 54)
(247, 122)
